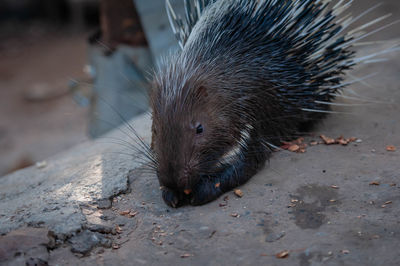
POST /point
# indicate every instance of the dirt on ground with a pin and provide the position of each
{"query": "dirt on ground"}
(38, 116)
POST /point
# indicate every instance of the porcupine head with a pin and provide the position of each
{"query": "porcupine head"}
(191, 130)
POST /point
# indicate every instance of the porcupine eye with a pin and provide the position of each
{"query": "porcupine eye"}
(199, 129)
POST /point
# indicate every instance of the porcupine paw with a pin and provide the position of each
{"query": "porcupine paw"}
(204, 193)
(170, 197)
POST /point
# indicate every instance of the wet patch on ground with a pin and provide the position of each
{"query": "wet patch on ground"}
(312, 202)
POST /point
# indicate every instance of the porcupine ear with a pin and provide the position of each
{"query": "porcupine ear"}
(202, 92)
(183, 27)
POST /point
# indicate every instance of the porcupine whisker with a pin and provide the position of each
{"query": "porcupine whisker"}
(141, 164)
(115, 126)
(131, 146)
(134, 84)
(134, 156)
(342, 104)
(138, 140)
(121, 142)
(143, 107)
(142, 85)
(144, 151)
(139, 156)
(325, 111)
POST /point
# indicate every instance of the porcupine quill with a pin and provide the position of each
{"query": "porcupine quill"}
(249, 74)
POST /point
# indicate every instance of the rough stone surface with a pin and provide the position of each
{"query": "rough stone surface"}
(85, 241)
(54, 195)
(319, 206)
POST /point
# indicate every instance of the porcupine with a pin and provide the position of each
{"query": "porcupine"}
(249, 74)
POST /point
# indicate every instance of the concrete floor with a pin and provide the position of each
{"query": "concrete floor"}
(321, 206)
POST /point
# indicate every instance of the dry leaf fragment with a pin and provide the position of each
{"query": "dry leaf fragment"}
(217, 185)
(282, 254)
(393, 185)
(132, 214)
(313, 143)
(332, 200)
(238, 193)
(327, 140)
(223, 204)
(390, 148)
(41, 165)
(388, 202)
(118, 229)
(335, 187)
(374, 183)
(186, 255)
(128, 213)
(345, 251)
(235, 214)
(342, 141)
(294, 148)
(294, 200)
(123, 213)
(286, 146)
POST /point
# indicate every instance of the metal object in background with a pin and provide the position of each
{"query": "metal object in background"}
(118, 61)
(120, 87)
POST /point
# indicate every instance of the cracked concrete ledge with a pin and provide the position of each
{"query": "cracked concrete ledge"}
(319, 206)
(53, 193)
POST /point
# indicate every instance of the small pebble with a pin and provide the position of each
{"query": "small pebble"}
(41, 165)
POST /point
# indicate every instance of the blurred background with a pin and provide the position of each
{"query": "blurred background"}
(69, 69)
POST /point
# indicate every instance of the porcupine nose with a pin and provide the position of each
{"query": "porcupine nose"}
(184, 182)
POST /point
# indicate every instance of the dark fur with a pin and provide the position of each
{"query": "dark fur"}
(232, 76)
